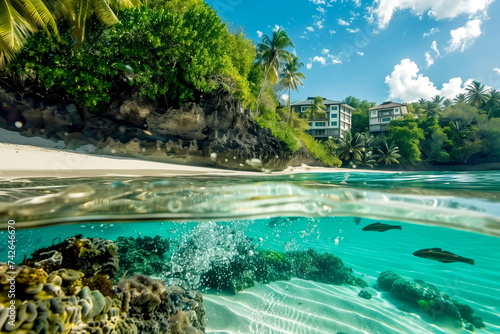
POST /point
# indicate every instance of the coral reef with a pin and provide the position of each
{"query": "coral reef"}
(425, 299)
(219, 257)
(93, 256)
(326, 268)
(142, 255)
(52, 296)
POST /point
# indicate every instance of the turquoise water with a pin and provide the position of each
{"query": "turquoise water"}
(211, 216)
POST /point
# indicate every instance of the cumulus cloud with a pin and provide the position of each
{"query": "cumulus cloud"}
(336, 61)
(322, 10)
(428, 59)
(464, 37)
(407, 84)
(496, 69)
(325, 51)
(332, 32)
(318, 2)
(431, 32)
(276, 27)
(357, 3)
(309, 65)
(439, 9)
(343, 23)
(259, 33)
(360, 53)
(311, 29)
(320, 60)
(353, 31)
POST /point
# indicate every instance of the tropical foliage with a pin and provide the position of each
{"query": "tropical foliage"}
(317, 109)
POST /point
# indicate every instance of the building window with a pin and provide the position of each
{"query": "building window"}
(320, 124)
(396, 110)
(303, 108)
(374, 113)
(320, 132)
(334, 124)
(334, 115)
(334, 108)
(386, 119)
(310, 123)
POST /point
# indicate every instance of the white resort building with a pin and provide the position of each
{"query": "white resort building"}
(338, 118)
(382, 115)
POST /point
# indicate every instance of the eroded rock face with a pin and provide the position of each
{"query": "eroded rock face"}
(218, 130)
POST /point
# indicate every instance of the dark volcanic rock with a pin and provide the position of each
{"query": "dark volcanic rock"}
(217, 130)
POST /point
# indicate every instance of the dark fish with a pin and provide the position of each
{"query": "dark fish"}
(442, 256)
(357, 220)
(378, 227)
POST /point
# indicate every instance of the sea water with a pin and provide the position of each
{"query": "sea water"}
(456, 211)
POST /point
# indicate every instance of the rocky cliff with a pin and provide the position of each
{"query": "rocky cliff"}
(217, 130)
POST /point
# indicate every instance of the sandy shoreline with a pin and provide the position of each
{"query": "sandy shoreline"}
(38, 157)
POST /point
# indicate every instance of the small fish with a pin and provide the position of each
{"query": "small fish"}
(357, 220)
(378, 227)
(442, 256)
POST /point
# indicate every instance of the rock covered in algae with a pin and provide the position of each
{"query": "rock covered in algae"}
(91, 256)
(222, 258)
(143, 255)
(51, 299)
(425, 299)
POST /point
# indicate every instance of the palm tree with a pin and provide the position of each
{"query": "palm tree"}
(492, 101)
(432, 108)
(437, 99)
(447, 103)
(475, 94)
(18, 20)
(388, 154)
(318, 108)
(460, 98)
(350, 147)
(366, 160)
(422, 101)
(271, 54)
(21, 18)
(291, 78)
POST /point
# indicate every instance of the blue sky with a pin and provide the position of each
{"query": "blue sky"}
(400, 50)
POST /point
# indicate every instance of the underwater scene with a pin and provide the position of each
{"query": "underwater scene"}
(343, 252)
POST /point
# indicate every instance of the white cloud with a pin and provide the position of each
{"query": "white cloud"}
(311, 29)
(325, 51)
(259, 33)
(435, 48)
(357, 3)
(321, 10)
(360, 53)
(353, 31)
(319, 24)
(496, 69)
(318, 2)
(464, 37)
(439, 9)
(343, 23)
(276, 27)
(431, 32)
(428, 59)
(332, 32)
(336, 61)
(309, 65)
(321, 60)
(285, 97)
(406, 84)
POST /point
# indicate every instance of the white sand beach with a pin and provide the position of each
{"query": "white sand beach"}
(36, 156)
